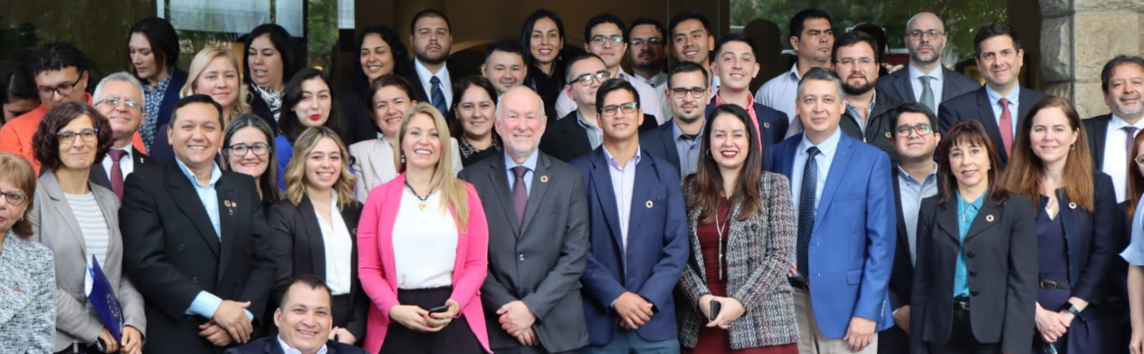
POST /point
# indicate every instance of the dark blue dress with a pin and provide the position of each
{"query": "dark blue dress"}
(1053, 265)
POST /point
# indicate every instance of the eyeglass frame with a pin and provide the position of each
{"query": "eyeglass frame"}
(129, 103)
(913, 129)
(630, 106)
(86, 134)
(59, 89)
(917, 34)
(600, 39)
(249, 149)
(640, 41)
(8, 198)
(599, 76)
(696, 91)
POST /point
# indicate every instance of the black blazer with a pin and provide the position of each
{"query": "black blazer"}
(410, 74)
(172, 252)
(98, 175)
(566, 140)
(1097, 130)
(270, 345)
(975, 105)
(1001, 258)
(170, 97)
(897, 85)
(356, 117)
(299, 248)
(877, 124)
(259, 107)
(1091, 240)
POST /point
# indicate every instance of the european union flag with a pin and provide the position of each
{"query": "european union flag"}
(103, 299)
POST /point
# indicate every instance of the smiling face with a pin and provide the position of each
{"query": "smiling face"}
(688, 108)
(220, 81)
(522, 122)
(1125, 86)
(545, 41)
(323, 165)
(970, 164)
(305, 320)
(856, 65)
(250, 163)
(912, 144)
(730, 141)
(619, 126)
(820, 107)
(691, 42)
(314, 108)
(602, 43)
(421, 145)
(196, 134)
(1000, 62)
(584, 95)
(265, 63)
(476, 111)
(1052, 136)
(431, 39)
(124, 120)
(79, 153)
(389, 104)
(375, 57)
(504, 69)
(143, 60)
(815, 41)
(735, 65)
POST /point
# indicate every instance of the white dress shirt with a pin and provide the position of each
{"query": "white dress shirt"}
(338, 247)
(126, 164)
(424, 243)
(1116, 155)
(443, 75)
(780, 93)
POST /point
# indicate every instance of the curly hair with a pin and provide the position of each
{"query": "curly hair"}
(46, 144)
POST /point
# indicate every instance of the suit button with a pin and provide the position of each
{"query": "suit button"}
(195, 280)
(521, 257)
(969, 254)
(973, 273)
(181, 247)
(974, 292)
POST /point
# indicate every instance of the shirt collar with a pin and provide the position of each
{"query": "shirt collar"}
(654, 80)
(529, 163)
(903, 174)
(677, 133)
(288, 350)
(938, 74)
(612, 160)
(794, 73)
(827, 147)
(1116, 122)
(976, 205)
(994, 96)
(580, 120)
(424, 72)
(215, 174)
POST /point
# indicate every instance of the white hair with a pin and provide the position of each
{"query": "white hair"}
(121, 76)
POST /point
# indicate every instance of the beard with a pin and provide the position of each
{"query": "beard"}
(431, 59)
(914, 56)
(857, 90)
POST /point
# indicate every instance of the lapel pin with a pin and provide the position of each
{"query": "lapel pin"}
(766, 125)
(1072, 205)
(15, 286)
(230, 206)
(544, 179)
(354, 231)
(989, 218)
(649, 204)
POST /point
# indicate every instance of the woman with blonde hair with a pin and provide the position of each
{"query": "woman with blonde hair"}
(213, 72)
(424, 251)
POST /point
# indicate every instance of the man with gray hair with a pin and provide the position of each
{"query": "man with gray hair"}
(119, 97)
(538, 236)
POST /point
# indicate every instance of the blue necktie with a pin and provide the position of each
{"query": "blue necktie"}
(438, 96)
(806, 210)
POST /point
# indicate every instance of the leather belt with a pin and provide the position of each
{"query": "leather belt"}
(1054, 285)
(961, 303)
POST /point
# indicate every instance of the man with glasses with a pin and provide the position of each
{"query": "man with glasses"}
(605, 38)
(119, 97)
(60, 71)
(867, 110)
(677, 142)
(915, 178)
(637, 234)
(648, 56)
(925, 79)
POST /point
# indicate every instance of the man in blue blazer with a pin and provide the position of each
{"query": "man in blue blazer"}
(304, 319)
(846, 224)
(637, 238)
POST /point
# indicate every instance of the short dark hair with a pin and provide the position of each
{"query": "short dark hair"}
(530, 23)
(874, 30)
(195, 98)
(57, 56)
(993, 30)
(396, 47)
(688, 15)
(614, 85)
(647, 21)
(289, 122)
(281, 41)
(798, 22)
(163, 40)
(395, 80)
(688, 67)
(912, 107)
(733, 37)
(854, 37)
(819, 73)
(1106, 73)
(576, 58)
(17, 84)
(428, 13)
(506, 46)
(46, 143)
(602, 19)
(310, 280)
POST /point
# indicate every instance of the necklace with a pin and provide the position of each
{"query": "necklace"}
(423, 200)
(719, 231)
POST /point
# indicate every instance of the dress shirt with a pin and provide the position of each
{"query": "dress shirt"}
(935, 84)
(649, 101)
(1014, 104)
(912, 193)
(595, 135)
(623, 183)
(853, 111)
(286, 349)
(826, 149)
(424, 243)
(529, 163)
(966, 212)
(1134, 253)
(443, 75)
(1115, 155)
(688, 150)
(654, 80)
(126, 164)
(659, 83)
(339, 249)
(780, 93)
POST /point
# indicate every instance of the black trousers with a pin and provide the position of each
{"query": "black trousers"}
(962, 341)
(456, 338)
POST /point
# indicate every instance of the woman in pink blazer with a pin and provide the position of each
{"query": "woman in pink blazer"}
(423, 249)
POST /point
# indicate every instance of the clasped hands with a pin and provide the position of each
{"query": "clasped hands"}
(228, 325)
(419, 319)
(633, 309)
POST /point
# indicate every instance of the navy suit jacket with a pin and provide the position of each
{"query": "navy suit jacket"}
(656, 252)
(897, 85)
(269, 345)
(1091, 239)
(976, 106)
(851, 251)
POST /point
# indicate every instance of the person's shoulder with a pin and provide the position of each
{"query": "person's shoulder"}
(25, 124)
(33, 251)
(257, 346)
(341, 348)
(962, 99)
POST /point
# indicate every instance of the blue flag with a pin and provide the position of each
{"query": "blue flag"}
(103, 299)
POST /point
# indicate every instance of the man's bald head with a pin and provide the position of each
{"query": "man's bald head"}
(516, 94)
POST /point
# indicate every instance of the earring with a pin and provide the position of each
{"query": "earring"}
(709, 155)
(402, 159)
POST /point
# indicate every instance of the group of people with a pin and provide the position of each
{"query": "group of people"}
(555, 203)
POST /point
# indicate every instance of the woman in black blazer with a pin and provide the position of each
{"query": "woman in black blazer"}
(314, 230)
(975, 278)
(1077, 223)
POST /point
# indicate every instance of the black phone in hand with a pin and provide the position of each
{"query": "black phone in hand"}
(439, 309)
(715, 307)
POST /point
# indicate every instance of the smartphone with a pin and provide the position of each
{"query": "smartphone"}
(439, 309)
(99, 346)
(715, 307)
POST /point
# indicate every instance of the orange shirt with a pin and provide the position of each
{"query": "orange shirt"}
(16, 136)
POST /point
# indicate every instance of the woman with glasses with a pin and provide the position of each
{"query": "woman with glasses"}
(248, 148)
(27, 273)
(474, 112)
(79, 222)
(1077, 224)
(309, 102)
(1134, 253)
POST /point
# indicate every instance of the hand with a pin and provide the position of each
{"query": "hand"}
(231, 316)
(132, 341)
(528, 338)
(633, 309)
(731, 310)
(902, 318)
(342, 335)
(442, 319)
(860, 333)
(215, 334)
(1136, 345)
(108, 341)
(1066, 318)
(411, 317)
(705, 305)
(793, 270)
(515, 317)
(1049, 325)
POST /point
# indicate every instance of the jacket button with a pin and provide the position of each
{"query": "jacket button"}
(181, 247)
(521, 257)
(973, 273)
(974, 292)
(195, 280)
(969, 254)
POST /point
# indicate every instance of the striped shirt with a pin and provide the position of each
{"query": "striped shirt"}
(92, 225)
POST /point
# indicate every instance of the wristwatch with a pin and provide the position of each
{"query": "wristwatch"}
(1073, 310)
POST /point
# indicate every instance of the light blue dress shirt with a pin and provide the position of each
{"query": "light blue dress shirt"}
(1014, 105)
(1134, 254)
(966, 212)
(623, 183)
(529, 163)
(688, 150)
(912, 194)
(827, 149)
(595, 135)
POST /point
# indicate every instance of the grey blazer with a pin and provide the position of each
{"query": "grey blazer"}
(54, 224)
(26, 291)
(375, 163)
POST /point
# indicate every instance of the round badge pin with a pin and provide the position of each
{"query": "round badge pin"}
(1072, 205)
(544, 179)
(989, 218)
(649, 204)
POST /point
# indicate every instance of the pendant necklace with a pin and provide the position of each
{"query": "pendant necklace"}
(423, 200)
(719, 230)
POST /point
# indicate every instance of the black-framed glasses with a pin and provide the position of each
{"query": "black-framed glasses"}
(600, 39)
(63, 90)
(626, 108)
(917, 34)
(600, 76)
(68, 136)
(240, 150)
(116, 101)
(14, 198)
(681, 92)
(640, 41)
(922, 129)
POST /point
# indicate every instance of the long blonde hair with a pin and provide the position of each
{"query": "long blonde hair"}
(453, 191)
(295, 177)
(200, 62)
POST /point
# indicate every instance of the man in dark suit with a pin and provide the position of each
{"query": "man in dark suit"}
(538, 236)
(304, 318)
(431, 38)
(735, 66)
(924, 79)
(638, 235)
(119, 97)
(677, 141)
(868, 110)
(196, 240)
(1002, 102)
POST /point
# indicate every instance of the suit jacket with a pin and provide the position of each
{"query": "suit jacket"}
(656, 246)
(270, 345)
(170, 97)
(1001, 257)
(27, 299)
(773, 124)
(414, 79)
(895, 340)
(300, 248)
(375, 162)
(976, 106)
(259, 107)
(758, 256)
(849, 277)
(897, 85)
(379, 277)
(553, 243)
(878, 127)
(1091, 240)
(99, 175)
(172, 252)
(55, 225)
(566, 140)
(1097, 130)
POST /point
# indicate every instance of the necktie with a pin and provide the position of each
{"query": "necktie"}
(519, 194)
(116, 172)
(438, 96)
(1131, 131)
(806, 208)
(927, 93)
(1006, 125)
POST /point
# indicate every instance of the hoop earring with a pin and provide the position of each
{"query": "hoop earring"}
(709, 154)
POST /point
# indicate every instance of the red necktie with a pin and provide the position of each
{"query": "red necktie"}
(116, 172)
(1006, 126)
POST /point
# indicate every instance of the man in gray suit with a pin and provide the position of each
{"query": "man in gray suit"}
(538, 236)
(926, 39)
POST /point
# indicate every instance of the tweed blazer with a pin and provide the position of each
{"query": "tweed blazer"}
(375, 162)
(759, 253)
(27, 296)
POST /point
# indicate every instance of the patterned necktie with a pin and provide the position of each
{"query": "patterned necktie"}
(806, 209)
(927, 93)
(1006, 125)
(519, 194)
(438, 96)
(116, 172)
(1131, 131)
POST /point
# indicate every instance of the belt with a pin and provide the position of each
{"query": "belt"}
(1052, 285)
(799, 283)
(961, 303)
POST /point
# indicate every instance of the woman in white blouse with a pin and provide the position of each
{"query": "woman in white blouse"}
(79, 221)
(314, 230)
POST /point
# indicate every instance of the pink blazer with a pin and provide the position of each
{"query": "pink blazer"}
(376, 268)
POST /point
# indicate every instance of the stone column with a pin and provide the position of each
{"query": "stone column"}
(1078, 37)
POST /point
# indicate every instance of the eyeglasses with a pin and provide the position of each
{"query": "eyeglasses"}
(917, 34)
(851, 61)
(627, 108)
(681, 92)
(240, 150)
(600, 76)
(922, 129)
(67, 136)
(63, 90)
(14, 198)
(640, 41)
(601, 39)
(115, 101)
